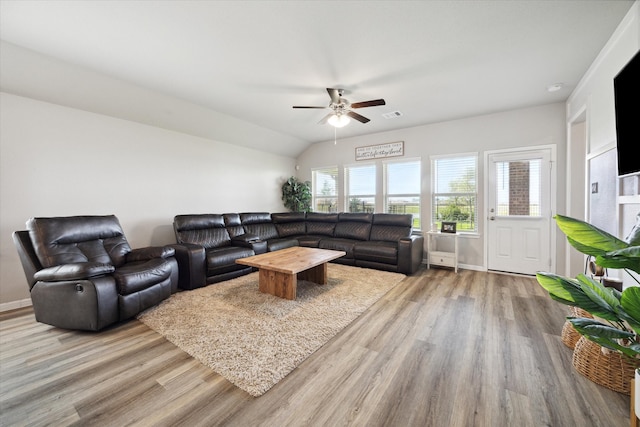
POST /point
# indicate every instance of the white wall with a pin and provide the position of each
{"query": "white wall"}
(593, 99)
(594, 92)
(56, 160)
(541, 125)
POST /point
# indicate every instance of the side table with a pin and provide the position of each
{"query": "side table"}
(443, 258)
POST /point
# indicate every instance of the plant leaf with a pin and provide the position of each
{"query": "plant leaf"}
(561, 288)
(605, 335)
(588, 238)
(628, 258)
(571, 292)
(630, 302)
(603, 297)
(598, 329)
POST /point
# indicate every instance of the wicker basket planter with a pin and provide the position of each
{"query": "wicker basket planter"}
(608, 369)
(569, 335)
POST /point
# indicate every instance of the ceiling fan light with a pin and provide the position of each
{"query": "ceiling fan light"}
(339, 120)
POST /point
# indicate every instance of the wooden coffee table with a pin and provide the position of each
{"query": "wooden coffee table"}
(279, 271)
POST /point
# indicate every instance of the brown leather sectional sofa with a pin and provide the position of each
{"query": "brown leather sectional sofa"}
(208, 244)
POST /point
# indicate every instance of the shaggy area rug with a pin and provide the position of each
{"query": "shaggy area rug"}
(255, 339)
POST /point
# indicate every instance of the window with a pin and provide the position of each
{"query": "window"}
(518, 186)
(325, 189)
(454, 186)
(402, 194)
(361, 188)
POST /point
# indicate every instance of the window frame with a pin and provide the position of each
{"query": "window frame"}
(417, 219)
(314, 186)
(435, 194)
(347, 178)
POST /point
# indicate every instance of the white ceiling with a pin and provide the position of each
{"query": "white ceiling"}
(431, 60)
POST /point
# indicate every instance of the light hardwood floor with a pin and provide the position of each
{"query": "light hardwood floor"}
(440, 349)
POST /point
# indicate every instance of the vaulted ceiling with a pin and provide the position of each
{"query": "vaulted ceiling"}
(252, 61)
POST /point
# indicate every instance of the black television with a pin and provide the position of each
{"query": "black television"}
(626, 89)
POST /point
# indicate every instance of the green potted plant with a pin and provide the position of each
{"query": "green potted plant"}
(616, 322)
(296, 195)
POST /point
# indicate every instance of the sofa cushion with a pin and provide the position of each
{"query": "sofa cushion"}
(390, 227)
(321, 224)
(354, 226)
(233, 224)
(223, 260)
(310, 241)
(74, 271)
(64, 240)
(289, 223)
(255, 218)
(207, 230)
(259, 223)
(277, 244)
(136, 276)
(334, 244)
(378, 251)
(291, 229)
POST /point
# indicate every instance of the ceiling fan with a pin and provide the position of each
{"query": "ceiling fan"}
(342, 109)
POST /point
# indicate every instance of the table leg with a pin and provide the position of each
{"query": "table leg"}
(317, 274)
(282, 285)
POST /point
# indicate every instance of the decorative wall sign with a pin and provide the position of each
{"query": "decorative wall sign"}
(369, 152)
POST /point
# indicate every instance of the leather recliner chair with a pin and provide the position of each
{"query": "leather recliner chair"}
(83, 274)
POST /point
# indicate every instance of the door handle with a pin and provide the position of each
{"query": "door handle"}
(492, 218)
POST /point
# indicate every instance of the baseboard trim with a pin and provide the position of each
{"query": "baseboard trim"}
(13, 305)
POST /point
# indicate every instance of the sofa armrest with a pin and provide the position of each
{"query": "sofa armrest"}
(410, 250)
(151, 252)
(192, 265)
(251, 241)
(73, 271)
(245, 238)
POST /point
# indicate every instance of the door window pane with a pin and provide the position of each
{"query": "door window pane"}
(518, 186)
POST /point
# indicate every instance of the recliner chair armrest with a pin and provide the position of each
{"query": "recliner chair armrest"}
(410, 251)
(76, 304)
(73, 271)
(192, 265)
(145, 254)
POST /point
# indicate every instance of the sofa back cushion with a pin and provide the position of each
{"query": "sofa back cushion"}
(355, 226)
(391, 227)
(321, 224)
(289, 223)
(65, 240)
(233, 224)
(207, 230)
(259, 224)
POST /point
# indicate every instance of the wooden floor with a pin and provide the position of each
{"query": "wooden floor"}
(441, 349)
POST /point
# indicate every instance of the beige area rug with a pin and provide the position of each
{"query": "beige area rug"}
(255, 339)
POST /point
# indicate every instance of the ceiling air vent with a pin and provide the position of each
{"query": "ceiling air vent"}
(392, 115)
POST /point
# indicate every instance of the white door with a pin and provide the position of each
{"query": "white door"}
(519, 211)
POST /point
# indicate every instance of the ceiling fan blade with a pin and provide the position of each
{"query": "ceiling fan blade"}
(325, 119)
(334, 94)
(357, 116)
(305, 106)
(372, 103)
